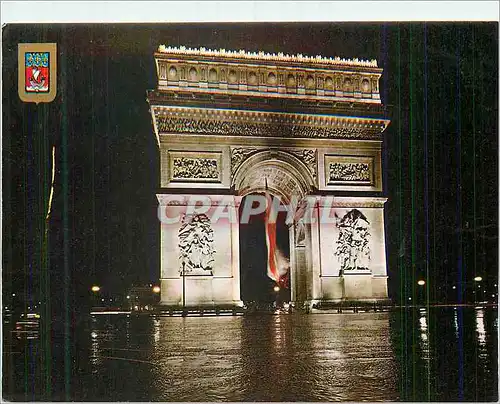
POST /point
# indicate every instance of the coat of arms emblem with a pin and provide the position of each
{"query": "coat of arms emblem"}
(37, 72)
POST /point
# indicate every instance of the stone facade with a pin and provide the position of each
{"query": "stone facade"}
(227, 123)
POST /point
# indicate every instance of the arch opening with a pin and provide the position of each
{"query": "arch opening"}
(285, 175)
(287, 178)
(258, 291)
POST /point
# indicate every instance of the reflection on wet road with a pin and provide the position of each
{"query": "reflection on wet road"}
(404, 355)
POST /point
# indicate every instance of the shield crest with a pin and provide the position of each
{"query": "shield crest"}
(37, 72)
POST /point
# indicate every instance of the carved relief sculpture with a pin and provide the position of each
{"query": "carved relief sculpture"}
(230, 123)
(300, 228)
(239, 155)
(349, 172)
(280, 128)
(353, 249)
(308, 157)
(195, 168)
(196, 245)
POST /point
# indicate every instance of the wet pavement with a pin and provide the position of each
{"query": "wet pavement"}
(405, 355)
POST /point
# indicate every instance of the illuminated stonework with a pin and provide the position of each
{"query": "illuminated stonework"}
(185, 167)
(307, 156)
(195, 168)
(280, 56)
(270, 75)
(170, 120)
(231, 123)
(240, 154)
(353, 249)
(349, 172)
(196, 246)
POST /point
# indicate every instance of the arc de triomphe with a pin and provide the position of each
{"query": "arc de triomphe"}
(226, 123)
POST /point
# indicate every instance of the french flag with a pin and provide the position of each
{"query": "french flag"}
(272, 264)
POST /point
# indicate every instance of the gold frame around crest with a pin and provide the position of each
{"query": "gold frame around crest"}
(37, 47)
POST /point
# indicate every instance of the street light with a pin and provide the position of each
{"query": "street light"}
(184, 313)
(94, 300)
(477, 296)
(276, 288)
(156, 289)
(421, 282)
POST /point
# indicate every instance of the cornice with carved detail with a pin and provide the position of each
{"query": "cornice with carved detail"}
(292, 77)
(205, 121)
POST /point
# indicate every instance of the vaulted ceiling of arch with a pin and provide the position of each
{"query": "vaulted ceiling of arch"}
(278, 181)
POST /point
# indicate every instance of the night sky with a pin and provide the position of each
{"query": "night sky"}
(440, 86)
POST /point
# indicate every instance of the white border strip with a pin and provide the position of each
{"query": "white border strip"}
(245, 11)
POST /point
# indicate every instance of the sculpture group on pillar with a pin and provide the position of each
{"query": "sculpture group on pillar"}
(353, 250)
(300, 229)
(196, 245)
